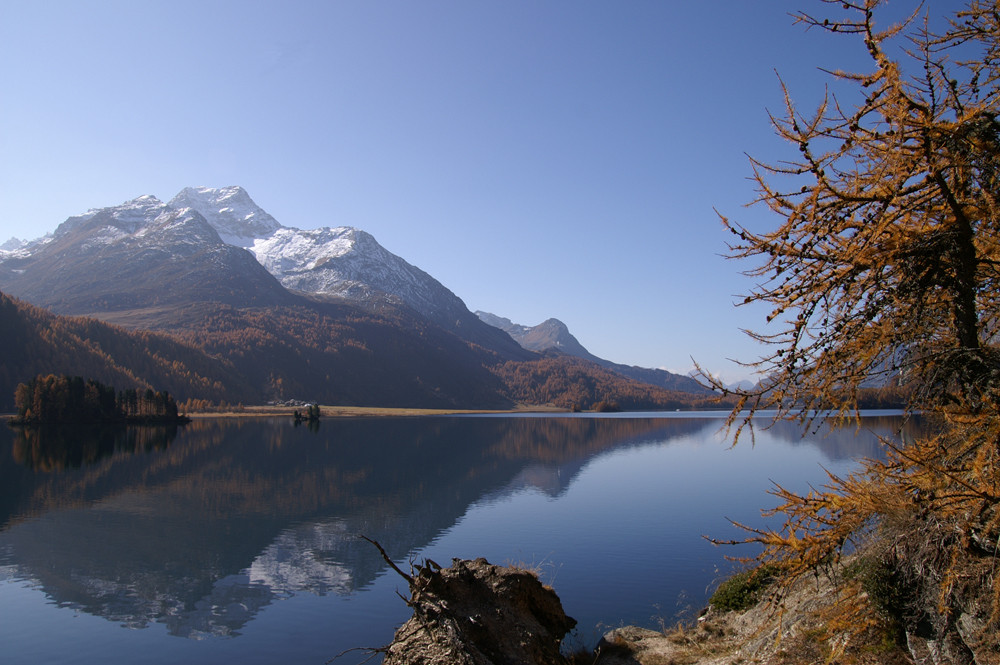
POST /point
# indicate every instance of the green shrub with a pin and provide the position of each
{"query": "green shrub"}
(742, 590)
(887, 591)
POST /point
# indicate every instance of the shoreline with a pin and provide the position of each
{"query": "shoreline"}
(348, 412)
(273, 411)
(361, 411)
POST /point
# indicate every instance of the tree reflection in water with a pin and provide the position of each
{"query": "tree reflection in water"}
(48, 448)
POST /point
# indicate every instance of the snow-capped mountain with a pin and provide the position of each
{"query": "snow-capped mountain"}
(116, 258)
(139, 253)
(342, 261)
(12, 245)
(348, 262)
(339, 261)
(230, 211)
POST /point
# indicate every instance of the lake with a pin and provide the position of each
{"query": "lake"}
(236, 540)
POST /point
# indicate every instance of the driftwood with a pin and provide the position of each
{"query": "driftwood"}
(476, 613)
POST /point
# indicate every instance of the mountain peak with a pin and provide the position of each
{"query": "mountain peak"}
(554, 334)
(138, 206)
(549, 334)
(230, 211)
(144, 200)
(13, 244)
(127, 216)
(554, 324)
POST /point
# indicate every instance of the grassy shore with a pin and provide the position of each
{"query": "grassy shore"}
(356, 411)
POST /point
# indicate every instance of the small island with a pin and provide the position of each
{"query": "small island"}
(73, 400)
(311, 415)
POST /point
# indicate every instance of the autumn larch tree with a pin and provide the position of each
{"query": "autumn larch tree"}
(885, 266)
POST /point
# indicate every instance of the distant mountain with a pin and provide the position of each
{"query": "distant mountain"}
(743, 384)
(12, 244)
(569, 382)
(342, 261)
(148, 265)
(326, 314)
(552, 334)
(140, 254)
(231, 212)
(549, 334)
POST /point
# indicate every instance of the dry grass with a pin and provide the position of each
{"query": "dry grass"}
(361, 411)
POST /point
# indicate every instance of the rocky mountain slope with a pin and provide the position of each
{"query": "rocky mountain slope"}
(340, 261)
(324, 314)
(549, 334)
(552, 334)
(207, 239)
(152, 266)
(140, 254)
(230, 211)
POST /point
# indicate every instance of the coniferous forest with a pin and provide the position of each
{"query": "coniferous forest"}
(71, 399)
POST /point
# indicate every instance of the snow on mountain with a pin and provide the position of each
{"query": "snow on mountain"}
(127, 256)
(16, 248)
(12, 245)
(126, 218)
(341, 261)
(229, 210)
(145, 221)
(348, 262)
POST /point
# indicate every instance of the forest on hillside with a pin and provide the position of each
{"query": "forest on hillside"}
(572, 383)
(329, 353)
(36, 342)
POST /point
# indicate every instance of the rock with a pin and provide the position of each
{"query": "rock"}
(791, 631)
(631, 645)
(476, 613)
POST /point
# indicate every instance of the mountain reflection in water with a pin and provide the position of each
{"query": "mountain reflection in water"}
(200, 528)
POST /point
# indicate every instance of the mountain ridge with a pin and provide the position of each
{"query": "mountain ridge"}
(340, 261)
(553, 334)
(37, 342)
(142, 252)
(230, 211)
(394, 336)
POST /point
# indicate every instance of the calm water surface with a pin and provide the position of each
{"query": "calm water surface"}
(237, 540)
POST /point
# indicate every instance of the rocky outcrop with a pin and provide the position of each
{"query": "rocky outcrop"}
(797, 630)
(476, 613)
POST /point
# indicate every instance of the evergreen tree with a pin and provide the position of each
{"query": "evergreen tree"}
(71, 399)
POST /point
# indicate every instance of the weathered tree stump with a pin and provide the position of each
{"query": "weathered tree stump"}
(476, 613)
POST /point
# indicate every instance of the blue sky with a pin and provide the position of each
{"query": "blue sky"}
(539, 158)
